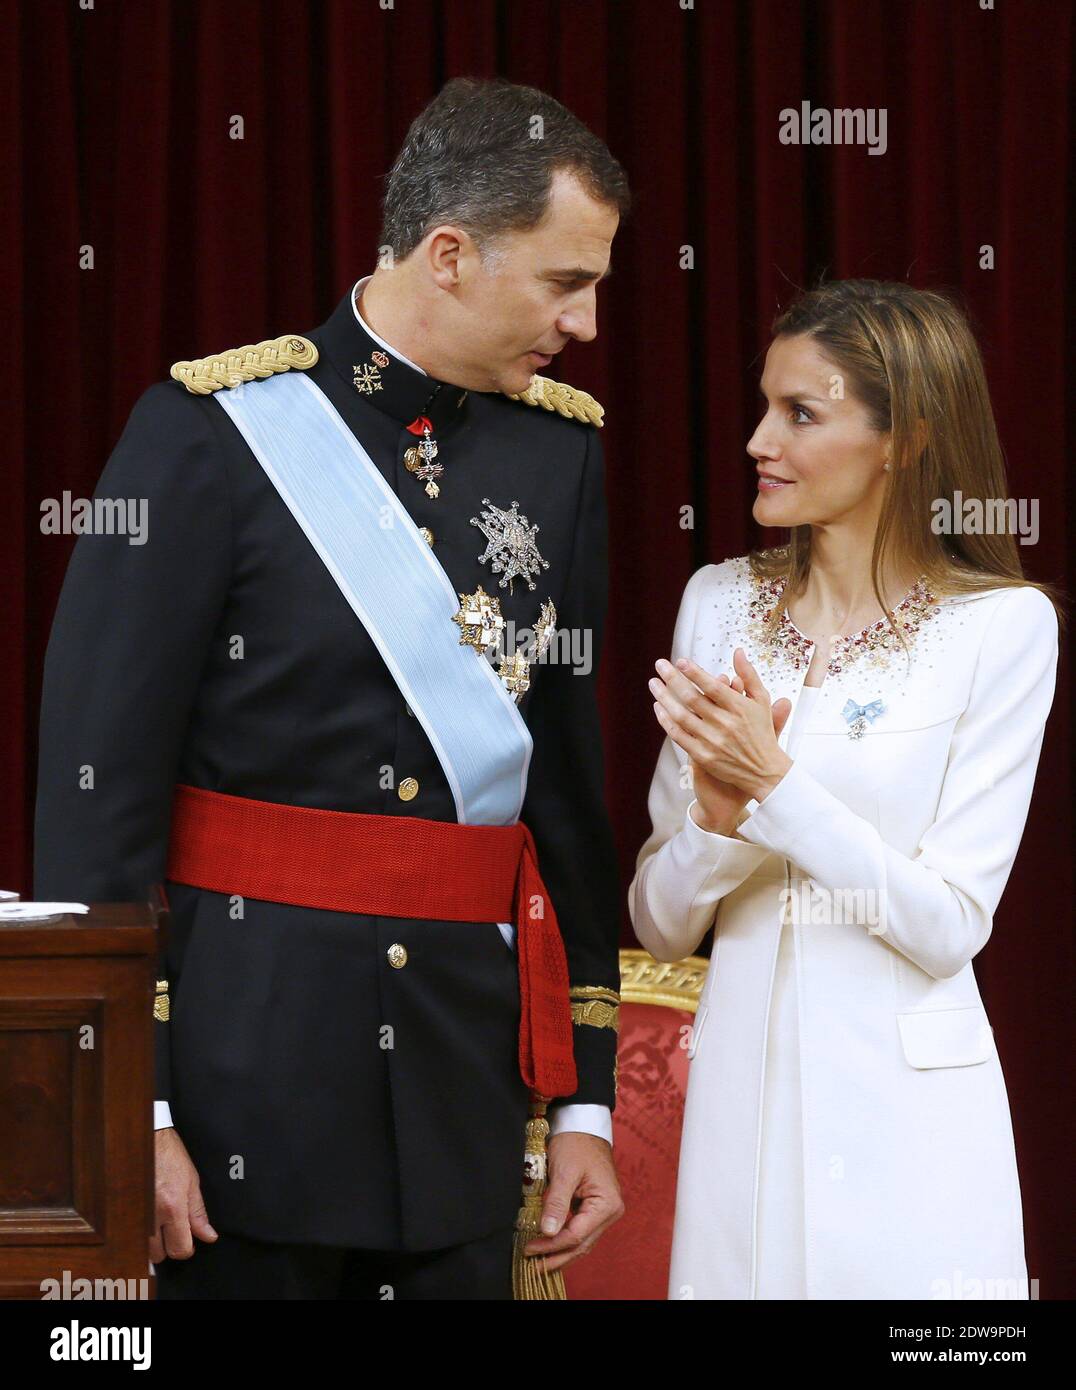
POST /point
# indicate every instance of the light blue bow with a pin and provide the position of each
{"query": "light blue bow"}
(853, 712)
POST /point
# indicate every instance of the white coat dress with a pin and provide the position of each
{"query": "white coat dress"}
(846, 1130)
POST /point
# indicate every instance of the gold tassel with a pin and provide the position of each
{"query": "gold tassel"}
(530, 1279)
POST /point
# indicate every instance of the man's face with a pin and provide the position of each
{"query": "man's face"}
(511, 320)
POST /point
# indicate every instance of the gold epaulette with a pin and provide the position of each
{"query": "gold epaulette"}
(236, 365)
(566, 400)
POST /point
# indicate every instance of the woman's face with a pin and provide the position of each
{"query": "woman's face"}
(816, 438)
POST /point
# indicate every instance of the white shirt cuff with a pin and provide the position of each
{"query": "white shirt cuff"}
(582, 1119)
(162, 1115)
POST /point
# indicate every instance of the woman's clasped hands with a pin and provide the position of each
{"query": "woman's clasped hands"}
(729, 730)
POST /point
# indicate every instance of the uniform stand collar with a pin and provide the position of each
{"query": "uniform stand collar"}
(392, 386)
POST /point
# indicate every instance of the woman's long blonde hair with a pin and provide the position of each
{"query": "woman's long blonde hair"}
(910, 355)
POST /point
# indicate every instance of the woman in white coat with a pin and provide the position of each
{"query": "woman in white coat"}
(847, 1131)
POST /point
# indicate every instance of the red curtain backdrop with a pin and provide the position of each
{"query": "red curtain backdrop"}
(116, 122)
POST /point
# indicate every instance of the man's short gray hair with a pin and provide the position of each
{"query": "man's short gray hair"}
(482, 155)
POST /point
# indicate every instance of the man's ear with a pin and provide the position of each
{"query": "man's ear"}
(445, 247)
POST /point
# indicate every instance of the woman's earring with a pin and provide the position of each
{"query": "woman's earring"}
(885, 467)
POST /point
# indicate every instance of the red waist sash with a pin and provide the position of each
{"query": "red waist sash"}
(391, 866)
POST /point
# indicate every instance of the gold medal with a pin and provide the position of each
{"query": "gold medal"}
(367, 379)
(545, 628)
(513, 672)
(482, 627)
(479, 620)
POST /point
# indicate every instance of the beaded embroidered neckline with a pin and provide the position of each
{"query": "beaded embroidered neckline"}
(874, 644)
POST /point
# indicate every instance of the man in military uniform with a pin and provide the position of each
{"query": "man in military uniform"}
(378, 815)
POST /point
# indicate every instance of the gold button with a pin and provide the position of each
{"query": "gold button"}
(397, 955)
(427, 535)
(408, 789)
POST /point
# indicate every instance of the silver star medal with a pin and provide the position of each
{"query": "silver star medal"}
(511, 547)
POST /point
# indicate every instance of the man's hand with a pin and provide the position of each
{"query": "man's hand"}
(582, 1198)
(179, 1206)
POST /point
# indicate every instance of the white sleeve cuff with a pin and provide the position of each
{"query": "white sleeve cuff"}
(795, 804)
(674, 895)
(707, 843)
(582, 1119)
(162, 1115)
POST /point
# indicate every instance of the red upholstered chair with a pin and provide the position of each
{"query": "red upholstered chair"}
(657, 1008)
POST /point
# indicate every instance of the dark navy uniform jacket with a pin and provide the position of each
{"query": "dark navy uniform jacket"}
(303, 1125)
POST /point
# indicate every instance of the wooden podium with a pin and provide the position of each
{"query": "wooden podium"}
(76, 1099)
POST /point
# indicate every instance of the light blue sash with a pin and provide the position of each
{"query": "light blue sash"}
(389, 576)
